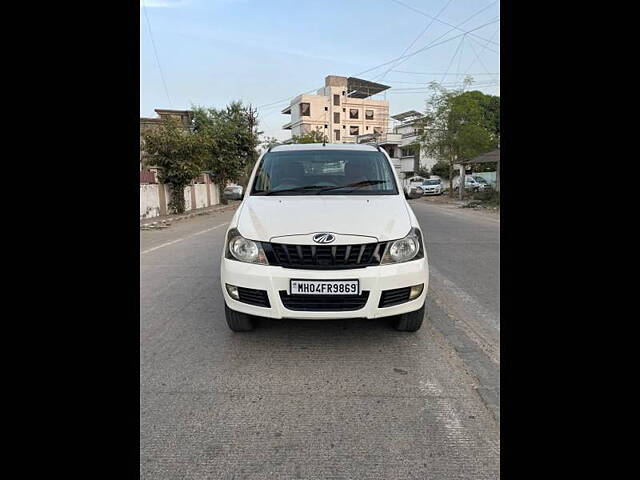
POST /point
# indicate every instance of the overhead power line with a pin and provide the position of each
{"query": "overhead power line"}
(427, 47)
(441, 73)
(483, 49)
(456, 27)
(453, 57)
(384, 74)
(155, 51)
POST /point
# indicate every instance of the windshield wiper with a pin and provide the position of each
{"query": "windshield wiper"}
(296, 189)
(353, 186)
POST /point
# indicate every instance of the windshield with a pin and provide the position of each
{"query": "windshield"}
(324, 172)
(431, 182)
(480, 180)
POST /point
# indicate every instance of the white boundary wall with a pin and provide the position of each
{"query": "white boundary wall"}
(150, 195)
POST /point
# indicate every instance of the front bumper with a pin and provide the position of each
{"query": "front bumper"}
(372, 279)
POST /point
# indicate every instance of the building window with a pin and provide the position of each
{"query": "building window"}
(336, 134)
(367, 127)
(353, 113)
(336, 99)
(344, 110)
(326, 108)
(354, 130)
(305, 109)
(377, 130)
(344, 126)
(343, 93)
(336, 117)
(368, 114)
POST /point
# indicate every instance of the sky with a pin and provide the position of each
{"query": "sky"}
(211, 52)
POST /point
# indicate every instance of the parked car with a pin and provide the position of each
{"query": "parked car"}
(232, 192)
(472, 182)
(483, 183)
(413, 191)
(311, 241)
(432, 187)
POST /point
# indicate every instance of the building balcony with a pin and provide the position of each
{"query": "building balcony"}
(384, 139)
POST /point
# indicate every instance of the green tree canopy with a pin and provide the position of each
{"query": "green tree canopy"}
(459, 125)
(231, 138)
(441, 169)
(180, 156)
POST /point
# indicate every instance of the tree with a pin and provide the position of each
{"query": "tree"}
(423, 172)
(458, 126)
(179, 154)
(269, 142)
(314, 136)
(441, 169)
(231, 138)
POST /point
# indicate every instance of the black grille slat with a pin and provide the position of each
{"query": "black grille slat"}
(254, 297)
(324, 257)
(396, 296)
(324, 303)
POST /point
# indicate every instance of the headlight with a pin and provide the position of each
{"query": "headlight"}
(405, 249)
(244, 250)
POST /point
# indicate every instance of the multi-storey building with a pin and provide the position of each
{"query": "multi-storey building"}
(342, 110)
(403, 145)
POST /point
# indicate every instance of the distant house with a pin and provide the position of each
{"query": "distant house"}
(185, 117)
(402, 144)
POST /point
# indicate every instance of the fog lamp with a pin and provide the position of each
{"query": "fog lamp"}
(233, 292)
(416, 291)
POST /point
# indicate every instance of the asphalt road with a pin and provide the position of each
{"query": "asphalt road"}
(325, 400)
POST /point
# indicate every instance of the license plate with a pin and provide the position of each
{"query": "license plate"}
(325, 287)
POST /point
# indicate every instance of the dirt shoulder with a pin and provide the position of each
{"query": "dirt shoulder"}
(473, 207)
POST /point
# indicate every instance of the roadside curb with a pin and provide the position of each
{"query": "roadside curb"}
(156, 223)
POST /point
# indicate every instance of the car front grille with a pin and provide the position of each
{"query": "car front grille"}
(324, 257)
(394, 297)
(254, 297)
(324, 303)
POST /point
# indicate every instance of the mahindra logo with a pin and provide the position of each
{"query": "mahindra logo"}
(323, 238)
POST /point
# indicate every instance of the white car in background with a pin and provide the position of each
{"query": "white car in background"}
(432, 187)
(472, 182)
(324, 232)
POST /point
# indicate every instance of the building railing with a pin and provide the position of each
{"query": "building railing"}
(381, 139)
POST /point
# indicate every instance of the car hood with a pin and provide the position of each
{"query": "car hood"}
(382, 217)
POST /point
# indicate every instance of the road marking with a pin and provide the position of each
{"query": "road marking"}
(181, 239)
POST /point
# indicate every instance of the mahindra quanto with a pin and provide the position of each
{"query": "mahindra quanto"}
(324, 232)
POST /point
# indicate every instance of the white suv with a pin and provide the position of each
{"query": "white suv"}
(324, 232)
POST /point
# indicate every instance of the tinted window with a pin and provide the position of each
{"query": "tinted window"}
(305, 109)
(328, 172)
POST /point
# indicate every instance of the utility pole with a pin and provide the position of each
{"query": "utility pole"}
(461, 182)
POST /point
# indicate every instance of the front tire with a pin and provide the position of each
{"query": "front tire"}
(411, 321)
(238, 322)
